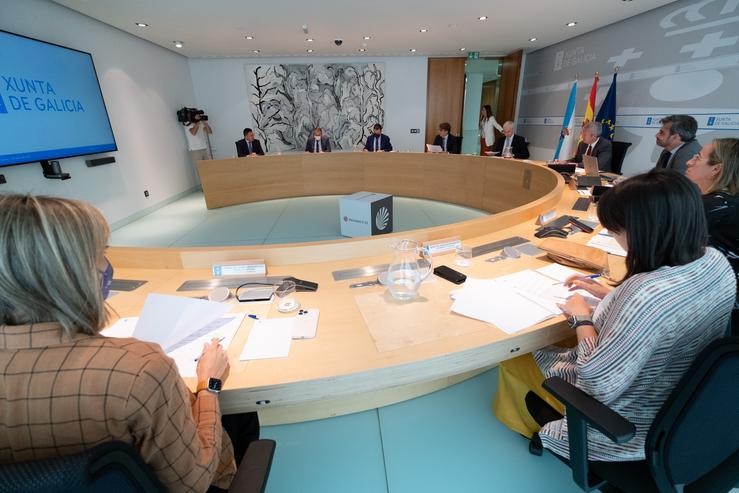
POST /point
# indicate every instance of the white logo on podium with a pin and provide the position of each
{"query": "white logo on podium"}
(382, 218)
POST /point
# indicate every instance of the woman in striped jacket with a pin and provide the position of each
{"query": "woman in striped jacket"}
(676, 297)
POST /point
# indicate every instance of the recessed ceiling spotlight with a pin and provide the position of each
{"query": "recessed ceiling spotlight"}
(571, 24)
(413, 50)
(142, 24)
(462, 49)
(532, 39)
(423, 30)
(482, 18)
(255, 51)
(249, 37)
(362, 50)
(178, 44)
(367, 38)
(309, 50)
(310, 40)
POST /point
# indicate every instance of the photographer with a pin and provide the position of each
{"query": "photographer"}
(196, 132)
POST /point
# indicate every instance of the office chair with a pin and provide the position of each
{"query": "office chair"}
(117, 467)
(693, 441)
(618, 154)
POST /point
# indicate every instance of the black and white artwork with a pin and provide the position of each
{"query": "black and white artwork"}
(288, 101)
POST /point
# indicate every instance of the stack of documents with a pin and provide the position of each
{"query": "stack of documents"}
(604, 241)
(516, 301)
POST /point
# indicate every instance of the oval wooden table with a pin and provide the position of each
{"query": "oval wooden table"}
(342, 370)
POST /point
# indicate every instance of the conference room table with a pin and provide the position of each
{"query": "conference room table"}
(422, 346)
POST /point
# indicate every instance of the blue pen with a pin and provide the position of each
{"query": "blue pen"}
(591, 276)
(251, 315)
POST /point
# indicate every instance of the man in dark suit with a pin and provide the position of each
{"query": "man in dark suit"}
(677, 138)
(249, 146)
(517, 143)
(448, 142)
(378, 142)
(594, 145)
(318, 142)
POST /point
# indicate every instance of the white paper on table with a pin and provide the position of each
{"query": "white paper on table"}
(538, 288)
(224, 328)
(123, 328)
(269, 338)
(604, 241)
(167, 319)
(559, 272)
(500, 306)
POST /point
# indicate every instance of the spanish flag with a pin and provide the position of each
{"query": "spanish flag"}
(590, 110)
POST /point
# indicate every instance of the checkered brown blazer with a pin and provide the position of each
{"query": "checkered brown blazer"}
(59, 396)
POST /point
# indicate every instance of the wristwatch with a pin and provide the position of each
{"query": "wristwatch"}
(214, 385)
(576, 321)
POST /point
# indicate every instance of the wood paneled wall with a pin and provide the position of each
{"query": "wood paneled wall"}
(508, 94)
(444, 95)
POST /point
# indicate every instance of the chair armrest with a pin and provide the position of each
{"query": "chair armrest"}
(591, 410)
(252, 474)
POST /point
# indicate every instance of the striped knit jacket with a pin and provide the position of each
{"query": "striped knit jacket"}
(650, 329)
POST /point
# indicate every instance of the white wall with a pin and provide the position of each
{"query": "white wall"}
(143, 85)
(220, 89)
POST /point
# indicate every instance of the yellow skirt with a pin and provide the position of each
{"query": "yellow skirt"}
(516, 378)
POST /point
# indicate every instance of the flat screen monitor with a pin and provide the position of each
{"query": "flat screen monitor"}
(51, 106)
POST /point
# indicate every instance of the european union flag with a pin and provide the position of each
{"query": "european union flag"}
(607, 114)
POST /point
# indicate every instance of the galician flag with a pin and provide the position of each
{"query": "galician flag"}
(566, 136)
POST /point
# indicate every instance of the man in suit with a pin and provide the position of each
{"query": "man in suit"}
(249, 146)
(448, 142)
(594, 145)
(378, 142)
(516, 142)
(317, 142)
(677, 139)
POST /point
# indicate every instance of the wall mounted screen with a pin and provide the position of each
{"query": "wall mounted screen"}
(51, 106)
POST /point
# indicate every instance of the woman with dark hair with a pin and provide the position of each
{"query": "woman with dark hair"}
(487, 123)
(716, 172)
(632, 350)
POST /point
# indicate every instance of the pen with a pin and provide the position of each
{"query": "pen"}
(591, 276)
(251, 315)
(220, 339)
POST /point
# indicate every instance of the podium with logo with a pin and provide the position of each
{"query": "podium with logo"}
(366, 214)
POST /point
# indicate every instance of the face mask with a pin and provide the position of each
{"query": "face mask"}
(107, 280)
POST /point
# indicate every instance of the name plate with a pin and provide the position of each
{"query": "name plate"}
(444, 245)
(241, 268)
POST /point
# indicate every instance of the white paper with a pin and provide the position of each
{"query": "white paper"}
(123, 328)
(269, 338)
(537, 288)
(604, 241)
(167, 319)
(224, 328)
(559, 272)
(433, 148)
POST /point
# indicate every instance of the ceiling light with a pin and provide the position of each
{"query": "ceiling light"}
(532, 39)
(178, 44)
(482, 18)
(462, 49)
(362, 50)
(413, 50)
(255, 51)
(310, 40)
(366, 38)
(142, 24)
(423, 30)
(309, 50)
(571, 24)
(249, 37)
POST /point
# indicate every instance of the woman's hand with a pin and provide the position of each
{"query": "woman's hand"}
(590, 285)
(213, 363)
(576, 305)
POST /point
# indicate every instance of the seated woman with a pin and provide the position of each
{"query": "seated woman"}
(64, 387)
(716, 172)
(675, 298)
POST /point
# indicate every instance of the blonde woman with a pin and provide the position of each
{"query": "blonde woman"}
(65, 388)
(715, 169)
(487, 123)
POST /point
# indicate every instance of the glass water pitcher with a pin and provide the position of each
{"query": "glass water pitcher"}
(407, 271)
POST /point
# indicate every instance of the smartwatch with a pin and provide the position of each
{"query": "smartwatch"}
(214, 385)
(576, 321)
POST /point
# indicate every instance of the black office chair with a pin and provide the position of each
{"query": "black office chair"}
(618, 154)
(693, 441)
(117, 467)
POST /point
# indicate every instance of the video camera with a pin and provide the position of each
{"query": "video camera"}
(187, 115)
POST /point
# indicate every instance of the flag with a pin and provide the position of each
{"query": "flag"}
(590, 110)
(607, 114)
(566, 137)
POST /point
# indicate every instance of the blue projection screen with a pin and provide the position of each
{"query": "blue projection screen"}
(51, 106)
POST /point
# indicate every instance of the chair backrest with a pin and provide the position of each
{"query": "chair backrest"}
(618, 153)
(695, 436)
(107, 468)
